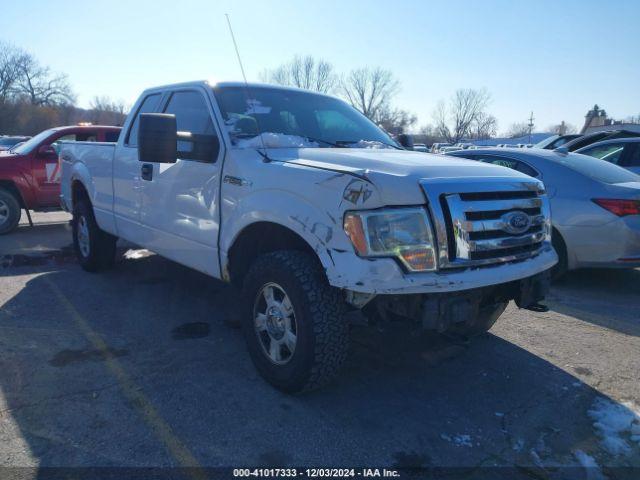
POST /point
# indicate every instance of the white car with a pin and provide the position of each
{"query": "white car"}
(311, 209)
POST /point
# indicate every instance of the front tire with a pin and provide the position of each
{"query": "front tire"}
(10, 212)
(95, 248)
(294, 326)
(486, 318)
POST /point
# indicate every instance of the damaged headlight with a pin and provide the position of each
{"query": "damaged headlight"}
(404, 233)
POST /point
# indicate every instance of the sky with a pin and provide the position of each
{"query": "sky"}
(555, 58)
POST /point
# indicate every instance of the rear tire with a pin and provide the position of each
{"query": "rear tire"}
(560, 268)
(290, 303)
(10, 211)
(95, 248)
(486, 318)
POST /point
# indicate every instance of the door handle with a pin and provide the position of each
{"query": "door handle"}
(146, 172)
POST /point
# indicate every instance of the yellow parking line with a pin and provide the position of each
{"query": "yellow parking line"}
(133, 393)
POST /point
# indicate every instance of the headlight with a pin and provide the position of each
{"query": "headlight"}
(404, 233)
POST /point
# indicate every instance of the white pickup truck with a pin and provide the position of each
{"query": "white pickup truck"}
(312, 210)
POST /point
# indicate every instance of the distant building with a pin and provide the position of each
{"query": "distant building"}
(596, 120)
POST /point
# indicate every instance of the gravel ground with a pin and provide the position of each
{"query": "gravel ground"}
(140, 367)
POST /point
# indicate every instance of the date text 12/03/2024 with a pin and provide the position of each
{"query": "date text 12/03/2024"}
(316, 472)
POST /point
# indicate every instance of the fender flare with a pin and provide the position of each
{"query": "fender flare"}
(318, 229)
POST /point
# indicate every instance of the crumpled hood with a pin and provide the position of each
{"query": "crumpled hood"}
(395, 173)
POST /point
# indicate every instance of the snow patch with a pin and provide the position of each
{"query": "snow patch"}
(458, 440)
(275, 140)
(590, 464)
(256, 107)
(368, 144)
(612, 420)
(136, 254)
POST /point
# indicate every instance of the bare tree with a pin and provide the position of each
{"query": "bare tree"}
(304, 72)
(369, 90)
(518, 129)
(484, 126)
(10, 60)
(455, 121)
(562, 128)
(106, 111)
(41, 86)
(395, 120)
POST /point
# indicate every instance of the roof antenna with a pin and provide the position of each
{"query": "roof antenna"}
(246, 86)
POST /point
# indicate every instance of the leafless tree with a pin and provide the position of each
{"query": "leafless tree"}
(369, 90)
(518, 129)
(562, 128)
(304, 72)
(455, 120)
(395, 120)
(105, 111)
(10, 59)
(39, 85)
(484, 126)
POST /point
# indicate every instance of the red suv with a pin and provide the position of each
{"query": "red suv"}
(30, 172)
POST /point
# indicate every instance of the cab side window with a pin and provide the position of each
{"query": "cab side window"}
(149, 105)
(192, 115)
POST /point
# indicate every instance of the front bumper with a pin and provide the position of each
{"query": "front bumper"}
(384, 276)
(438, 311)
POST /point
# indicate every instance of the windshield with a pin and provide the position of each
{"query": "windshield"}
(290, 118)
(30, 144)
(597, 169)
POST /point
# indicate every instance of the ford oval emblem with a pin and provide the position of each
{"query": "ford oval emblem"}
(516, 222)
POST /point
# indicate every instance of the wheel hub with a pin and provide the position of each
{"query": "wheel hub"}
(83, 236)
(275, 323)
(4, 212)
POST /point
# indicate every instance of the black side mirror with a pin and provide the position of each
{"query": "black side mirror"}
(157, 138)
(405, 140)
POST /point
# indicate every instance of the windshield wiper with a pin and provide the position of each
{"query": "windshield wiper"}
(326, 142)
(349, 142)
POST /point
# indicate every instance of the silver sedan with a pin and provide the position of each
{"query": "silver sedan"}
(595, 205)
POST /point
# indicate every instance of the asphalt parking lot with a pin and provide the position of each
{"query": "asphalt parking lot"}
(140, 366)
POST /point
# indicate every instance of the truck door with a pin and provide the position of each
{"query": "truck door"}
(126, 174)
(180, 208)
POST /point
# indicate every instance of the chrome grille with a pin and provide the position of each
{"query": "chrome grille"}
(492, 221)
